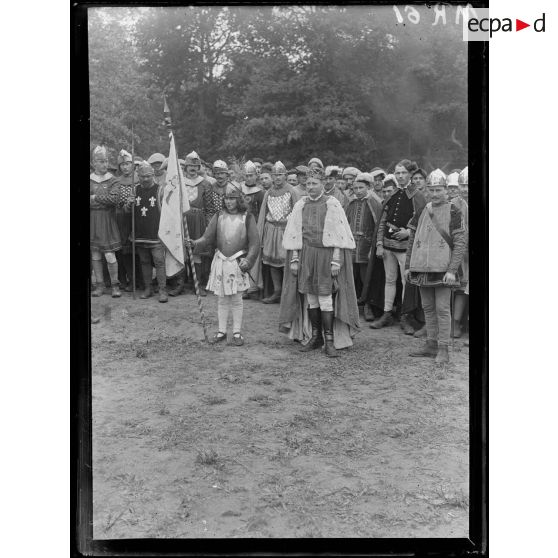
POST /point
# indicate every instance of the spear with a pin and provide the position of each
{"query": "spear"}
(184, 228)
(133, 222)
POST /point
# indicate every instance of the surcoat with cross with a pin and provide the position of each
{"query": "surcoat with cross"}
(147, 213)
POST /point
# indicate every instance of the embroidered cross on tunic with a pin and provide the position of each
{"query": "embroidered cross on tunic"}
(152, 201)
(143, 211)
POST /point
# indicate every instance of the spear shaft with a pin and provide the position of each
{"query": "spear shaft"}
(185, 232)
(133, 222)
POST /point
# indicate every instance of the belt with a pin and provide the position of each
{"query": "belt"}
(221, 256)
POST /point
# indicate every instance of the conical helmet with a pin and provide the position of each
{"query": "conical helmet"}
(437, 178)
(192, 159)
(100, 152)
(250, 168)
(464, 177)
(279, 168)
(219, 166)
(453, 179)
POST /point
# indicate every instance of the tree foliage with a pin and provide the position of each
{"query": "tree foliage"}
(349, 85)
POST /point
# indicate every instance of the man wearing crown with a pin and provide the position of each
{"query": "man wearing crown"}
(104, 237)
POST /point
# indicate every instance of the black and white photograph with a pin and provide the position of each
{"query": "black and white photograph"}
(278, 287)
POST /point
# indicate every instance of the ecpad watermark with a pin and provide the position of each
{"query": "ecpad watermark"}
(479, 26)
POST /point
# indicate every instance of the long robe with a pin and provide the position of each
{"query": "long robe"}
(293, 313)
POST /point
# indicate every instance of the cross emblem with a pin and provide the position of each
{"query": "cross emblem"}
(152, 201)
(138, 200)
(143, 211)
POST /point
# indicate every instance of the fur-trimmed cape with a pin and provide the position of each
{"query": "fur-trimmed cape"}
(293, 313)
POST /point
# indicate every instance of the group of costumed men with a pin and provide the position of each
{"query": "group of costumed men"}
(319, 241)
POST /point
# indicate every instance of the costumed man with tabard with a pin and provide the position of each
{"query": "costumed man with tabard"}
(277, 205)
(318, 286)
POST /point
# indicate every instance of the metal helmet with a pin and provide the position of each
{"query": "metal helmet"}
(279, 168)
(100, 152)
(437, 178)
(453, 179)
(464, 177)
(192, 159)
(250, 168)
(220, 166)
(231, 191)
(123, 157)
(145, 168)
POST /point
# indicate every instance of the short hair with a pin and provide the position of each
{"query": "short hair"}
(257, 160)
(411, 166)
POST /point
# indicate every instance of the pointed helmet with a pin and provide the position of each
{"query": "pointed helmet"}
(220, 166)
(192, 159)
(437, 178)
(123, 157)
(464, 177)
(250, 168)
(279, 168)
(453, 179)
(100, 152)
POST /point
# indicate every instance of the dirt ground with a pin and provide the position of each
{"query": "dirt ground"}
(192, 440)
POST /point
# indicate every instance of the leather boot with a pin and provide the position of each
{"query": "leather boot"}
(202, 290)
(456, 329)
(179, 285)
(162, 283)
(147, 292)
(368, 314)
(429, 349)
(421, 332)
(327, 320)
(99, 281)
(442, 357)
(146, 272)
(114, 283)
(317, 340)
(275, 298)
(99, 290)
(386, 319)
(407, 328)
